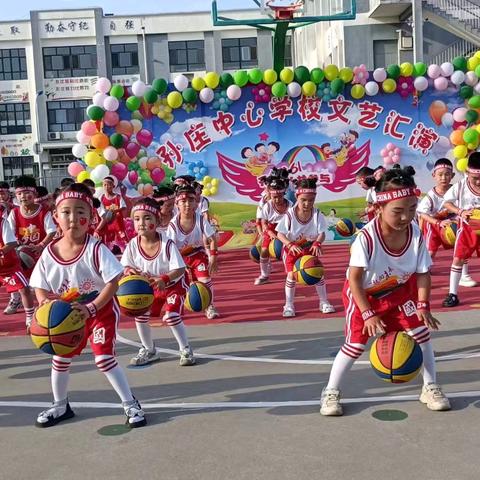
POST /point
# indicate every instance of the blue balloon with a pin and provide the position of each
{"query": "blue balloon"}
(198, 176)
(204, 171)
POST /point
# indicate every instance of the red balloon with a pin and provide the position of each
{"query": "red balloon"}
(144, 137)
(132, 149)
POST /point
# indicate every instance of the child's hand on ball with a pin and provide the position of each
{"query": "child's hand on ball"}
(82, 309)
(373, 326)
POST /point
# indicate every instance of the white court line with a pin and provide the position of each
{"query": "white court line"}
(213, 405)
(327, 361)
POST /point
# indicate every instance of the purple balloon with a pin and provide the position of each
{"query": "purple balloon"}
(331, 166)
(308, 167)
(144, 137)
(132, 149)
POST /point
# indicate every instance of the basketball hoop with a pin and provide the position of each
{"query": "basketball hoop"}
(284, 12)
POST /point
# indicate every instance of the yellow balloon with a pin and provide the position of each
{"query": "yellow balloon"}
(206, 179)
(174, 99)
(198, 83)
(92, 159)
(472, 63)
(389, 85)
(212, 79)
(270, 76)
(346, 74)
(406, 69)
(331, 72)
(358, 91)
(206, 192)
(478, 128)
(477, 54)
(460, 151)
(213, 190)
(83, 176)
(286, 75)
(155, 110)
(461, 164)
(309, 89)
(472, 146)
(215, 182)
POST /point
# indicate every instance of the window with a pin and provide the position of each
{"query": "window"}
(239, 53)
(13, 65)
(385, 52)
(187, 56)
(15, 118)
(62, 62)
(124, 58)
(288, 51)
(15, 166)
(67, 115)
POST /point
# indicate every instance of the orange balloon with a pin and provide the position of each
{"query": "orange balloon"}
(147, 190)
(100, 141)
(456, 137)
(436, 111)
(124, 127)
(123, 157)
(154, 162)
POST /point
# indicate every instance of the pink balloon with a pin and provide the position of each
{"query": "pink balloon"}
(383, 152)
(144, 137)
(396, 158)
(440, 83)
(75, 168)
(396, 151)
(119, 170)
(89, 128)
(133, 177)
(132, 149)
(459, 114)
(110, 119)
(82, 138)
(111, 104)
(331, 166)
(157, 175)
(110, 154)
(308, 167)
(390, 146)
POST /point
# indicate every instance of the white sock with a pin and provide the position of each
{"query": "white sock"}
(289, 292)
(264, 264)
(343, 363)
(144, 331)
(115, 375)
(465, 269)
(60, 377)
(180, 333)
(455, 275)
(321, 289)
(29, 314)
(422, 336)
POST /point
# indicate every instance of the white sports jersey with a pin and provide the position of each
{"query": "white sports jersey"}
(189, 240)
(371, 196)
(270, 214)
(432, 204)
(294, 229)
(261, 203)
(168, 257)
(385, 270)
(82, 278)
(203, 205)
(7, 233)
(462, 196)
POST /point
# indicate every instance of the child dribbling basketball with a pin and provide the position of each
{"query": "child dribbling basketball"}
(388, 288)
(80, 268)
(154, 255)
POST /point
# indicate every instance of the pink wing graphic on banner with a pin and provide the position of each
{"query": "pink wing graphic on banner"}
(345, 174)
(239, 177)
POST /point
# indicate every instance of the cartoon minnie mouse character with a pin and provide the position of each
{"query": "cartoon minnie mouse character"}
(261, 158)
(348, 139)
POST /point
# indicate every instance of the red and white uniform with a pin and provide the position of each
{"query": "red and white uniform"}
(300, 233)
(371, 199)
(389, 280)
(81, 279)
(166, 259)
(191, 245)
(11, 274)
(261, 203)
(5, 209)
(467, 241)
(432, 204)
(272, 216)
(203, 205)
(115, 229)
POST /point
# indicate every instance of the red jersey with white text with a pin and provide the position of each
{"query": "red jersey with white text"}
(31, 229)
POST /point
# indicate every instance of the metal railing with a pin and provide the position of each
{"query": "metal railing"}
(463, 10)
(455, 49)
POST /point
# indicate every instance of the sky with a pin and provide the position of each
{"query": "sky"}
(20, 9)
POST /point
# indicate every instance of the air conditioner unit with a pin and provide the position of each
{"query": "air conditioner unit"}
(55, 135)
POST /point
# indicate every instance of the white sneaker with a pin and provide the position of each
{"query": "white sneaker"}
(13, 306)
(260, 281)
(327, 307)
(134, 413)
(211, 312)
(467, 281)
(145, 356)
(288, 311)
(330, 403)
(434, 398)
(186, 357)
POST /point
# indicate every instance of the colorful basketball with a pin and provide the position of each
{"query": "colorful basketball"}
(134, 295)
(308, 270)
(396, 357)
(449, 234)
(56, 328)
(345, 227)
(275, 249)
(254, 253)
(198, 298)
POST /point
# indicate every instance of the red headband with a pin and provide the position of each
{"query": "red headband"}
(75, 196)
(5, 190)
(281, 190)
(473, 170)
(43, 199)
(299, 191)
(25, 189)
(390, 195)
(165, 198)
(438, 167)
(146, 208)
(182, 196)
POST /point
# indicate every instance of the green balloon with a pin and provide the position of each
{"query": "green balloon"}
(95, 113)
(474, 102)
(117, 91)
(160, 85)
(470, 135)
(145, 177)
(133, 103)
(240, 77)
(471, 116)
(133, 166)
(255, 76)
(137, 115)
(116, 140)
(419, 69)
(460, 63)
(466, 91)
(150, 96)
(226, 80)
(477, 71)
(301, 75)
(317, 75)
(337, 85)
(393, 71)
(279, 89)
(189, 95)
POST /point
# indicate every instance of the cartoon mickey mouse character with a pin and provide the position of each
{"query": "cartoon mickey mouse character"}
(261, 158)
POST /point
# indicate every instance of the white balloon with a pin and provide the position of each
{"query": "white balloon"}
(294, 89)
(111, 104)
(371, 88)
(206, 95)
(457, 77)
(446, 69)
(99, 173)
(139, 88)
(180, 82)
(234, 92)
(79, 150)
(477, 88)
(379, 75)
(420, 84)
(98, 99)
(471, 78)
(103, 85)
(447, 120)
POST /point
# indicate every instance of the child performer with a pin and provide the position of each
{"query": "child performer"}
(79, 264)
(263, 200)
(165, 197)
(202, 201)
(153, 254)
(6, 203)
(271, 214)
(302, 225)
(188, 230)
(461, 200)
(96, 219)
(366, 181)
(44, 199)
(388, 288)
